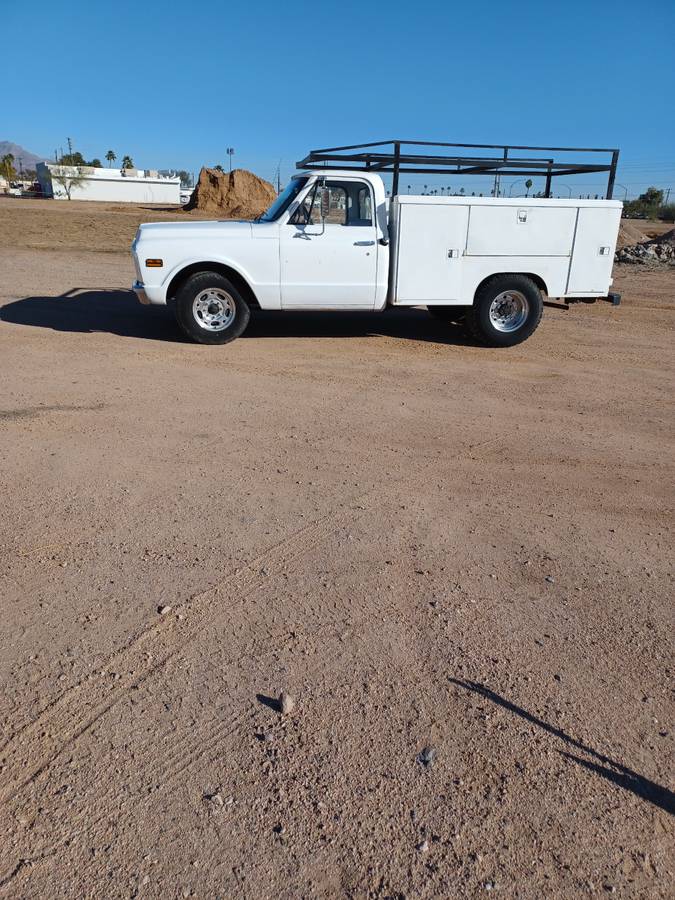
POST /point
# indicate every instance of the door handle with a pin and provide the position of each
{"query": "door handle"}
(364, 243)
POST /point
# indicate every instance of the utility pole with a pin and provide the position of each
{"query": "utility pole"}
(230, 153)
(667, 197)
(70, 149)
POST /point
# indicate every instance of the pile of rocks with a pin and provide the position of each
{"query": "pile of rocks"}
(643, 254)
(661, 250)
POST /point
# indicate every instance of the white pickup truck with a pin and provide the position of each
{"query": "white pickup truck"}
(333, 240)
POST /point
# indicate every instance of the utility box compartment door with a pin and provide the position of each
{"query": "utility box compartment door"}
(594, 246)
(521, 230)
(431, 242)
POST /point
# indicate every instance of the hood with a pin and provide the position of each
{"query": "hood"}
(199, 230)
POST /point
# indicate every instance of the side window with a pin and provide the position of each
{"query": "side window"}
(350, 203)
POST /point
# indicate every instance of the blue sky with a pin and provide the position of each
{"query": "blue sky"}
(174, 84)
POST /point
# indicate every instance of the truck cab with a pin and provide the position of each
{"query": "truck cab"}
(295, 256)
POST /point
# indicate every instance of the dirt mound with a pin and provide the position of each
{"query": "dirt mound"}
(629, 235)
(231, 195)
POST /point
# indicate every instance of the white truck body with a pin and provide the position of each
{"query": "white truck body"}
(444, 247)
(410, 251)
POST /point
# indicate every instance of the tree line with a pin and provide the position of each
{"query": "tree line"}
(650, 205)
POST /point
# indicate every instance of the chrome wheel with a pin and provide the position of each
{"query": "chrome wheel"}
(509, 311)
(214, 309)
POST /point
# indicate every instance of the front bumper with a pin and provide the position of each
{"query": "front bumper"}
(139, 289)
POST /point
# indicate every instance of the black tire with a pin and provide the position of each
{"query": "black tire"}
(524, 309)
(448, 313)
(218, 299)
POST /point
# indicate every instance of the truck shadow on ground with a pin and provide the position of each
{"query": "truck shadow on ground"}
(118, 312)
(599, 764)
(91, 311)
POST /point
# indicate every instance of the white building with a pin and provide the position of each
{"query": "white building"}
(117, 185)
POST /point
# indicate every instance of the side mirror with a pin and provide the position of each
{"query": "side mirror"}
(325, 202)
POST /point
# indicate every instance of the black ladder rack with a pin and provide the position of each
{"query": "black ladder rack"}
(394, 157)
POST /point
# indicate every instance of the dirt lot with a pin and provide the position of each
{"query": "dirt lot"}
(427, 543)
(79, 225)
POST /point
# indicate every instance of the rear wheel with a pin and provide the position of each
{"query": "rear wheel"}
(506, 311)
(210, 309)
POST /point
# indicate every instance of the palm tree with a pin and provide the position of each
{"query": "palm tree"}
(110, 156)
(127, 162)
(7, 169)
(528, 185)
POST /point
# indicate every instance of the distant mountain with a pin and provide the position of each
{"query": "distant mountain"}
(28, 160)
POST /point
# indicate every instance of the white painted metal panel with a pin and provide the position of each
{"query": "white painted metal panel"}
(593, 255)
(328, 267)
(431, 241)
(553, 271)
(521, 230)
(181, 244)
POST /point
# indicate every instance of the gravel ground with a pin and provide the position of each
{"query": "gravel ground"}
(456, 562)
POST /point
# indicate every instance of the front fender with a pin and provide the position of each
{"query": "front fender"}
(264, 284)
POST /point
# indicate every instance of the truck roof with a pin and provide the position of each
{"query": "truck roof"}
(335, 173)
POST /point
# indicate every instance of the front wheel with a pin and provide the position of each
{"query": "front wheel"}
(210, 309)
(506, 311)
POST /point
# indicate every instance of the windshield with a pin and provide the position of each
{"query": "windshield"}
(283, 201)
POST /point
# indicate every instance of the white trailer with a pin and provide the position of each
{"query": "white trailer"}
(333, 240)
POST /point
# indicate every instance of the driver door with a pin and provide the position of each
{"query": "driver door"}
(330, 263)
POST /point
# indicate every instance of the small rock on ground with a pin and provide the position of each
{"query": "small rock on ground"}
(427, 757)
(286, 703)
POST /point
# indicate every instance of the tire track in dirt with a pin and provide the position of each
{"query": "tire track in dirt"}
(28, 753)
(181, 754)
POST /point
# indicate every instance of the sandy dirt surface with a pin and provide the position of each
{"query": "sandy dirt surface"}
(458, 562)
(80, 224)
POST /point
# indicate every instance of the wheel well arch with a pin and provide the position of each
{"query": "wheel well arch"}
(226, 271)
(537, 279)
